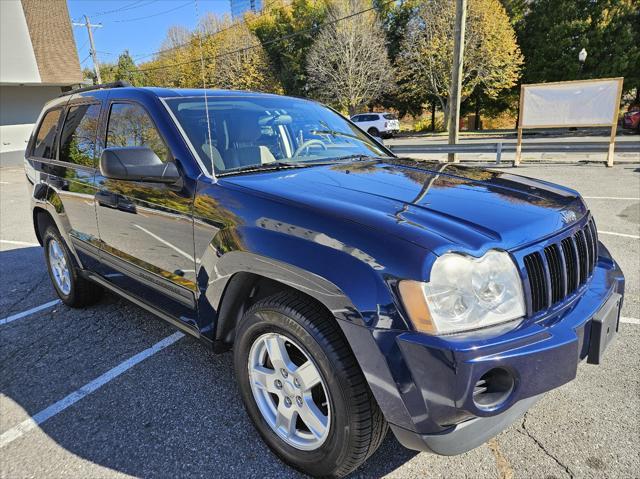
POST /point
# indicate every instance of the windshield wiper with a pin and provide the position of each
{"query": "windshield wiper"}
(273, 166)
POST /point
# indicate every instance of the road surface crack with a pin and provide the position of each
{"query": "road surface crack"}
(543, 448)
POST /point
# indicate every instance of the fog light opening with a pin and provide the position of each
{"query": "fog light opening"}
(493, 388)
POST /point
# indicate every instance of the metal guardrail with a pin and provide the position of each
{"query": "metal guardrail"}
(498, 148)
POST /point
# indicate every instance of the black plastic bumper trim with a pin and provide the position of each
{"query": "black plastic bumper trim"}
(465, 436)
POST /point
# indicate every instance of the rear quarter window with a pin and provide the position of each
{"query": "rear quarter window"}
(390, 116)
(43, 146)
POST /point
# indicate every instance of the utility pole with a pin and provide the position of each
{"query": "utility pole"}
(94, 55)
(456, 75)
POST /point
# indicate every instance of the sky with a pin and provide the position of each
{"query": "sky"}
(137, 25)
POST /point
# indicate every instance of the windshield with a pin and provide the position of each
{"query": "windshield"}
(254, 131)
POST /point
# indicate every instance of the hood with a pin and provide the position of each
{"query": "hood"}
(441, 207)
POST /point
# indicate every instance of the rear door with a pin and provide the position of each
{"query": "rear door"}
(70, 168)
(146, 229)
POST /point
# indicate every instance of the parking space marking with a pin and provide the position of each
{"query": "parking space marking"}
(19, 243)
(33, 422)
(28, 312)
(625, 198)
(624, 235)
(163, 241)
(624, 319)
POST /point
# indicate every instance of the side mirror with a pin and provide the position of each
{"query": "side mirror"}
(137, 163)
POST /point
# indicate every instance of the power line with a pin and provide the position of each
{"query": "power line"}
(208, 35)
(269, 42)
(154, 15)
(129, 6)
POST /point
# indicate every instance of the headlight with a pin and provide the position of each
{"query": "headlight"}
(465, 293)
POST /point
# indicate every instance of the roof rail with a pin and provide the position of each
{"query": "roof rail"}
(115, 84)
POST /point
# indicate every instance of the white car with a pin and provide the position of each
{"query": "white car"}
(378, 124)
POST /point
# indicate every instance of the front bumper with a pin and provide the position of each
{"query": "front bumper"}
(424, 384)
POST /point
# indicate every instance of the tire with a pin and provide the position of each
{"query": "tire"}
(374, 132)
(355, 426)
(74, 290)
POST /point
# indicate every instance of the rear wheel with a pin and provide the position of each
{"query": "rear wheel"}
(303, 388)
(73, 289)
(374, 132)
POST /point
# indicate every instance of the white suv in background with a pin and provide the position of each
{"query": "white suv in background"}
(378, 124)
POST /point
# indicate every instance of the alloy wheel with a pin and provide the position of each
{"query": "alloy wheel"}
(59, 267)
(289, 391)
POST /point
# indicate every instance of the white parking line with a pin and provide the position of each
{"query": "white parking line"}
(57, 407)
(624, 235)
(630, 198)
(624, 319)
(163, 241)
(19, 243)
(28, 312)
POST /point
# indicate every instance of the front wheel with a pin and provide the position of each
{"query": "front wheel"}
(303, 388)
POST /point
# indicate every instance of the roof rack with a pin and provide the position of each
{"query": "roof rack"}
(115, 84)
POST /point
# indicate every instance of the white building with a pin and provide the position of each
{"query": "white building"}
(38, 60)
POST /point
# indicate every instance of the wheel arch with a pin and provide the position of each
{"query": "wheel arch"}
(244, 278)
(41, 219)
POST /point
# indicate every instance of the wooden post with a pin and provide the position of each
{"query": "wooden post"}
(614, 126)
(456, 75)
(516, 161)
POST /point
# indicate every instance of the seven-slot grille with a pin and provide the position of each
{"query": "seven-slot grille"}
(560, 268)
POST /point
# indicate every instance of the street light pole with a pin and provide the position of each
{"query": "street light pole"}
(94, 54)
(456, 75)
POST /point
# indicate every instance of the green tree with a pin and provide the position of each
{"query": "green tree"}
(492, 60)
(556, 30)
(288, 57)
(127, 70)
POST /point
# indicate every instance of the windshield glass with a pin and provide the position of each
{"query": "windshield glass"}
(252, 131)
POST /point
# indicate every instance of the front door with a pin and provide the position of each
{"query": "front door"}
(146, 229)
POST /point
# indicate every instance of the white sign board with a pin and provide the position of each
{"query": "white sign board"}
(576, 103)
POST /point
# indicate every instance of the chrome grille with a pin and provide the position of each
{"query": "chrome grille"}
(561, 268)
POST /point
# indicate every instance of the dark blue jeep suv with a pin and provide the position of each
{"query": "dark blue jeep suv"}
(357, 289)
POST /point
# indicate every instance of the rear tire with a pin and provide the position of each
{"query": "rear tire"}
(355, 426)
(374, 132)
(74, 290)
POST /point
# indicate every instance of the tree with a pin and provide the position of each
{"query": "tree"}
(177, 36)
(492, 58)
(556, 30)
(127, 70)
(347, 65)
(242, 63)
(228, 56)
(294, 20)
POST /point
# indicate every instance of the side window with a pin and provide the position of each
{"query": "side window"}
(130, 125)
(356, 119)
(43, 146)
(78, 139)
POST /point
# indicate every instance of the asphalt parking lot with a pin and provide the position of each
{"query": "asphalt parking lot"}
(111, 391)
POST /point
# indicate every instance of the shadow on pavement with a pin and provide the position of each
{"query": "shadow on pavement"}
(177, 414)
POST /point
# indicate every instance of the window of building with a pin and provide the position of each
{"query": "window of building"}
(44, 144)
(130, 125)
(78, 139)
